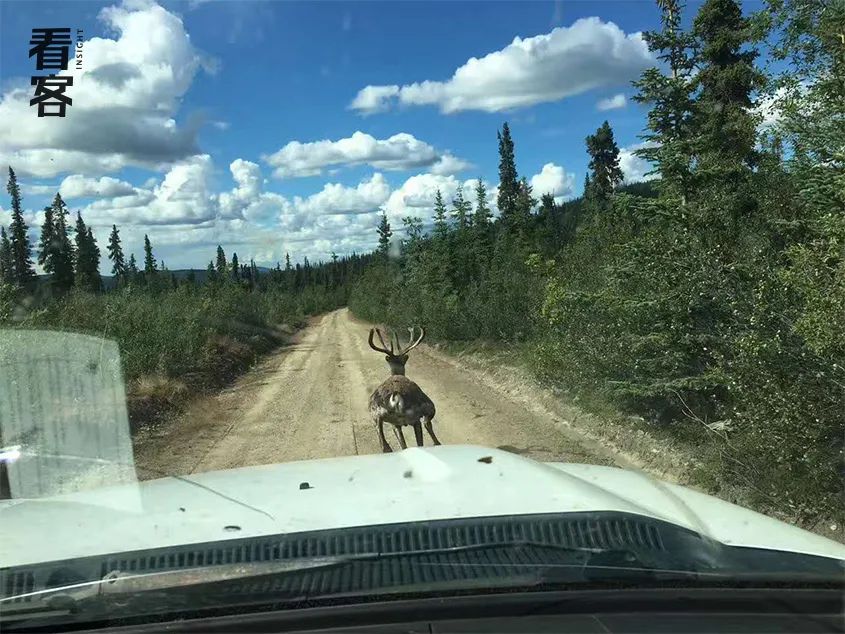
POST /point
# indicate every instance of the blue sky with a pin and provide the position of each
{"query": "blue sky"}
(198, 122)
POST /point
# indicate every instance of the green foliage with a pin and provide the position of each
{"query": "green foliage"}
(115, 251)
(178, 333)
(384, 235)
(22, 273)
(150, 267)
(87, 261)
(62, 254)
(605, 173)
(6, 270)
(508, 183)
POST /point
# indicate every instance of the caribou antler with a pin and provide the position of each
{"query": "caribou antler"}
(395, 348)
(376, 331)
(412, 343)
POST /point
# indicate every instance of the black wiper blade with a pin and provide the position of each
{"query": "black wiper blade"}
(118, 583)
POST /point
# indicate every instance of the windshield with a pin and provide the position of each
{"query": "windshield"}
(291, 269)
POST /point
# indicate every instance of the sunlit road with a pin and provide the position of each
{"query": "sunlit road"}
(309, 400)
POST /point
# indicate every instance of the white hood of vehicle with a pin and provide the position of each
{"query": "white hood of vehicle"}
(417, 484)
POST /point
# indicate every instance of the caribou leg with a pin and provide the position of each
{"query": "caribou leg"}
(400, 436)
(385, 448)
(430, 430)
(418, 433)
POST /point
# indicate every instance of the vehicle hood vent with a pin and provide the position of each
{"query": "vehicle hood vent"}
(584, 533)
(413, 554)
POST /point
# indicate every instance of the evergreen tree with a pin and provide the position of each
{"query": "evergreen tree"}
(384, 235)
(413, 229)
(547, 223)
(6, 270)
(236, 269)
(115, 251)
(670, 96)
(63, 255)
(461, 211)
(132, 269)
(210, 272)
(605, 173)
(482, 214)
(47, 241)
(441, 227)
(191, 278)
(525, 202)
(222, 267)
(149, 261)
(481, 229)
(86, 273)
(94, 250)
(508, 183)
(23, 273)
(726, 128)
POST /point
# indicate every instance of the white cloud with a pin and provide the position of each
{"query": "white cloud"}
(612, 103)
(448, 164)
(373, 99)
(634, 168)
(399, 152)
(124, 101)
(567, 61)
(339, 199)
(554, 180)
(78, 186)
(184, 196)
(246, 199)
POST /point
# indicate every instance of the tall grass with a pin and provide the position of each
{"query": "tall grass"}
(199, 337)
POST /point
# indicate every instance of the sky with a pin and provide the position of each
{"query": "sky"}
(284, 127)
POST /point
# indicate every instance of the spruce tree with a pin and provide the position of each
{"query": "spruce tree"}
(132, 269)
(461, 211)
(7, 272)
(508, 182)
(94, 255)
(481, 228)
(63, 255)
(47, 241)
(23, 273)
(525, 202)
(548, 224)
(149, 261)
(236, 268)
(86, 273)
(384, 235)
(669, 124)
(441, 226)
(222, 267)
(210, 272)
(482, 214)
(115, 251)
(726, 128)
(605, 173)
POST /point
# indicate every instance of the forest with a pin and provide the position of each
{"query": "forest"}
(709, 302)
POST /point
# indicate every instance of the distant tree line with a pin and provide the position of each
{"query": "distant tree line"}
(70, 259)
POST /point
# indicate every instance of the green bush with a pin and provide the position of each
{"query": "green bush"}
(182, 332)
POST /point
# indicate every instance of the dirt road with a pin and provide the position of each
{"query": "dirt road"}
(309, 400)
